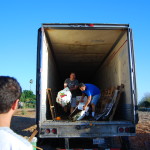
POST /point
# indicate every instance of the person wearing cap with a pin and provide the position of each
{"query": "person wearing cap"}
(10, 92)
(93, 93)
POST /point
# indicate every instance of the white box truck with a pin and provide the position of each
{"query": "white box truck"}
(101, 54)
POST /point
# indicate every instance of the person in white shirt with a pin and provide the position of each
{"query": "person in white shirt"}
(10, 92)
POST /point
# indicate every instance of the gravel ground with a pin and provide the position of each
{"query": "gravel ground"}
(23, 123)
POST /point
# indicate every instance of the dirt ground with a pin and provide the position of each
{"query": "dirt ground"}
(142, 140)
(23, 123)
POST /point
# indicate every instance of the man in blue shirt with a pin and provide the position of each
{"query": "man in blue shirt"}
(93, 93)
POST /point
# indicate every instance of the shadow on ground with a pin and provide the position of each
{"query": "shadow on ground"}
(23, 125)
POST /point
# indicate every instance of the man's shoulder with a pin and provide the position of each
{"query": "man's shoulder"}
(15, 140)
(88, 85)
(67, 80)
(76, 80)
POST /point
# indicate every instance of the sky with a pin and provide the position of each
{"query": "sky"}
(20, 20)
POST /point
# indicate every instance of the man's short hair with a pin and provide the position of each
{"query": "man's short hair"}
(72, 73)
(81, 85)
(10, 91)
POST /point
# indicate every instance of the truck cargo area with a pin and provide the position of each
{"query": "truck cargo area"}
(97, 54)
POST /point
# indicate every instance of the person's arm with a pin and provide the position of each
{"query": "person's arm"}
(83, 95)
(65, 83)
(88, 99)
(87, 102)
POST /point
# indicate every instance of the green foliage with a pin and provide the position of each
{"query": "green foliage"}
(27, 95)
(145, 102)
(29, 98)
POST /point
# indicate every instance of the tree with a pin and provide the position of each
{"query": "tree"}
(27, 95)
(145, 102)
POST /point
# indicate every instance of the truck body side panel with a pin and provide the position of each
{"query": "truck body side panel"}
(44, 77)
(115, 71)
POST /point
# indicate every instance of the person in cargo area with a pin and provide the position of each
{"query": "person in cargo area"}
(93, 93)
(72, 84)
(10, 92)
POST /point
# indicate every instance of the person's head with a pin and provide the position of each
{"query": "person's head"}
(10, 92)
(82, 86)
(72, 76)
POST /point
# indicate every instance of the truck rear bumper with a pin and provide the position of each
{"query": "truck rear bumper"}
(86, 129)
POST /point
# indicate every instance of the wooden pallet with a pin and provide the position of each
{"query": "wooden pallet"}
(120, 90)
(107, 96)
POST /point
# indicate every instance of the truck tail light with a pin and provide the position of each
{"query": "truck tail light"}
(127, 130)
(54, 131)
(47, 131)
(121, 130)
